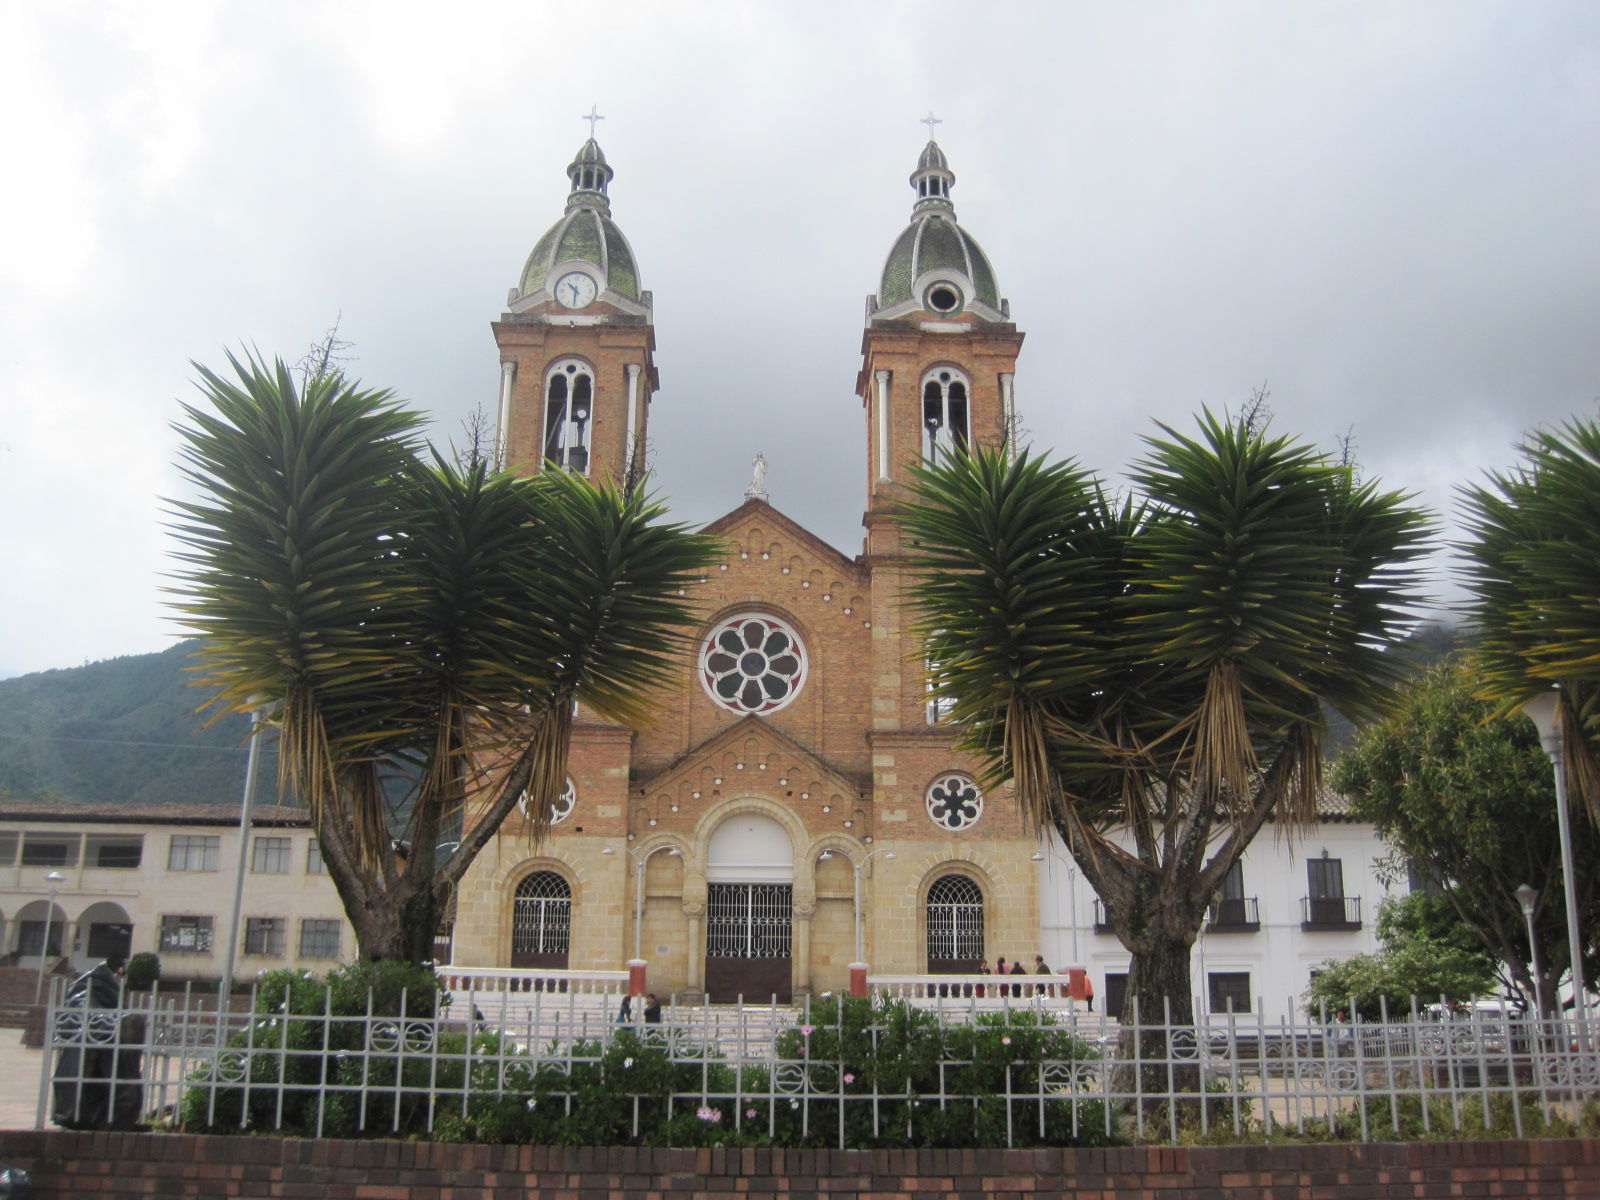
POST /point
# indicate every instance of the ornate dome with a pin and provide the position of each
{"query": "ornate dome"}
(933, 249)
(585, 233)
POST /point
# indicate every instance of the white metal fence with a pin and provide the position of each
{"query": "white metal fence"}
(940, 1064)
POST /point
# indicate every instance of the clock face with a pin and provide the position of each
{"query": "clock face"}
(575, 290)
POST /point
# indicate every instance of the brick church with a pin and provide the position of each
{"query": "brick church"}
(797, 806)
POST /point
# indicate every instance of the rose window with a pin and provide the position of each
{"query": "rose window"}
(954, 802)
(752, 663)
(561, 809)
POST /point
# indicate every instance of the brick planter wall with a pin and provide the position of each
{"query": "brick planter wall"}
(88, 1166)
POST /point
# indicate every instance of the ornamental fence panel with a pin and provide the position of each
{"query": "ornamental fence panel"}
(944, 1066)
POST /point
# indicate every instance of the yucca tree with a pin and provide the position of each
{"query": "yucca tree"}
(1151, 675)
(416, 633)
(1533, 571)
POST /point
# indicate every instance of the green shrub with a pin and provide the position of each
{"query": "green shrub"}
(143, 970)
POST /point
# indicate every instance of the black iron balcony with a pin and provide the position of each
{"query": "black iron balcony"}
(1235, 914)
(1323, 914)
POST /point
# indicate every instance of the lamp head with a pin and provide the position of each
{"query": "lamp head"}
(1036, 856)
(1543, 710)
(55, 877)
(1527, 897)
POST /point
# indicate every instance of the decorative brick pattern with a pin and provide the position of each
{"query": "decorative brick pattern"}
(89, 1166)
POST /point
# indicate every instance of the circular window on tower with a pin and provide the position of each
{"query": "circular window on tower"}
(954, 802)
(561, 809)
(752, 663)
(943, 298)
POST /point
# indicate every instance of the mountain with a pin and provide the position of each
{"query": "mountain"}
(122, 731)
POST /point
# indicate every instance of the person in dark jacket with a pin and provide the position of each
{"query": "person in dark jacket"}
(98, 1073)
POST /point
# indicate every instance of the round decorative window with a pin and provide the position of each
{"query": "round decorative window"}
(752, 663)
(954, 802)
(561, 809)
(943, 297)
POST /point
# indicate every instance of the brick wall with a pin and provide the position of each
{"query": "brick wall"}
(85, 1166)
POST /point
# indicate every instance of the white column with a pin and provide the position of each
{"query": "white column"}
(883, 424)
(633, 418)
(1008, 409)
(508, 372)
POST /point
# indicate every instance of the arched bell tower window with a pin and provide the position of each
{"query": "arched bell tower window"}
(944, 413)
(568, 407)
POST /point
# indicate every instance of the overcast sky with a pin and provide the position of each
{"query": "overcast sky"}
(1385, 212)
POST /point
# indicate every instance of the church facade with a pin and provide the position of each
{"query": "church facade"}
(798, 806)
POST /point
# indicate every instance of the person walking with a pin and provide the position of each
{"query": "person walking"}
(1040, 967)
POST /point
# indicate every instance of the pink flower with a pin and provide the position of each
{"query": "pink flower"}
(1005, 1041)
(849, 1078)
(750, 1114)
(805, 1030)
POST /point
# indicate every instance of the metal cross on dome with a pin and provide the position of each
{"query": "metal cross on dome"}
(592, 116)
(930, 121)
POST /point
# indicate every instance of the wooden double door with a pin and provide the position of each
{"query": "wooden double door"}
(749, 942)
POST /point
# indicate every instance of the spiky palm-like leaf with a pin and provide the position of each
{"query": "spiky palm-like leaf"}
(398, 613)
(1158, 668)
(1533, 569)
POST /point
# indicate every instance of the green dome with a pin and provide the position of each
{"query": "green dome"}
(934, 241)
(586, 233)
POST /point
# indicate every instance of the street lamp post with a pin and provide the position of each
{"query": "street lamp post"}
(1528, 897)
(859, 966)
(1544, 710)
(1039, 855)
(636, 965)
(54, 879)
(246, 822)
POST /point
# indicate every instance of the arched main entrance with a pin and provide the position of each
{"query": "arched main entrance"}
(955, 926)
(749, 911)
(541, 921)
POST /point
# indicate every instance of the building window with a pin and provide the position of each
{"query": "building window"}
(30, 938)
(569, 401)
(561, 807)
(752, 663)
(319, 938)
(1229, 991)
(314, 863)
(186, 935)
(1327, 907)
(541, 916)
(194, 852)
(111, 939)
(114, 853)
(263, 936)
(1233, 910)
(270, 856)
(954, 802)
(955, 924)
(43, 850)
(8, 849)
(944, 414)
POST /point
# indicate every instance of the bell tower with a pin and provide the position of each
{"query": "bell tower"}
(940, 350)
(577, 343)
(937, 363)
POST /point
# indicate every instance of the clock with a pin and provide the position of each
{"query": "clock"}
(576, 290)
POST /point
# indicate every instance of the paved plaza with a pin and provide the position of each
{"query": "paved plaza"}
(20, 1067)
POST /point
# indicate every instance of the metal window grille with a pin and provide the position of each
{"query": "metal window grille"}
(749, 920)
(186, 934)
(955, 919)
(319, 938)
(541, 917)
(193, 852)
(264, 936)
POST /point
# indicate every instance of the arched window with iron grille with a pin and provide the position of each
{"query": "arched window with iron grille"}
(541, 921)
(955, 926)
